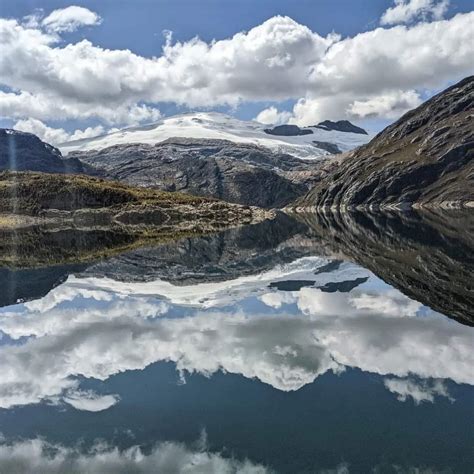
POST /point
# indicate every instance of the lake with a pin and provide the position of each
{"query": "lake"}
(333, 343)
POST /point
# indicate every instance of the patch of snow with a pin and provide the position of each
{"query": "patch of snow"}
(213, 125)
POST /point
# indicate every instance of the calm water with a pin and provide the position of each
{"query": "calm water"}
(324, 345)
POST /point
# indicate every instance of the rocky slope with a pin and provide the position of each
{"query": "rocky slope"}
(238, 173)
(426, 158)
(427, 255)
(20, 151)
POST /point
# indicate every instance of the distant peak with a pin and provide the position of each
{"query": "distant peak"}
(341, 126)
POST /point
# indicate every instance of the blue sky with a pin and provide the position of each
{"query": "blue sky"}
(138, 26)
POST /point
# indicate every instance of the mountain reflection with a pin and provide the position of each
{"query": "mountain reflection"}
(428, 255)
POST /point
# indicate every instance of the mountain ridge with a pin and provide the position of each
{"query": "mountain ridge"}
(426, 158)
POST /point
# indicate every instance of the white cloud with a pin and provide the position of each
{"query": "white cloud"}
(70, 19)
(390, 105)
(36, 455)
(376, 72)
(406, 11)
(272, 116)
(55, 136)
(419, 391)
(45, 107)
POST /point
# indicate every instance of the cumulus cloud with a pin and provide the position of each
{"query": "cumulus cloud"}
(70, 19)
(390, 105)
(55, 136)
(406, 11)
(37, 455)
(418, 391)
(375, 72)
(46, 107)
(271, 116)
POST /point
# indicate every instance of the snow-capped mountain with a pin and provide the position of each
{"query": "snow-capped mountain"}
(213, 125)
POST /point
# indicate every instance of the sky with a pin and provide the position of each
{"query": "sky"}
(70, 70)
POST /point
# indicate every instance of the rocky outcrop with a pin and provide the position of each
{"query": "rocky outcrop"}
(327, 146)
(341, 126)
(427, 255)
(238, 173)
(288, 131)
(20, 151)
(424, 159)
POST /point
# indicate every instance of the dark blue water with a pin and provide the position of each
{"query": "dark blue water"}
(229, 354)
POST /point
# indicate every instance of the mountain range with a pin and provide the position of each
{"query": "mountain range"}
(204, 154)
(424, 159)
(217, 126)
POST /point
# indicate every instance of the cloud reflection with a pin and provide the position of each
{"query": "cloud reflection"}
(89, 328)
(39, 456)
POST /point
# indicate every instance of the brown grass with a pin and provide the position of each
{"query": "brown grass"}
(30, 193)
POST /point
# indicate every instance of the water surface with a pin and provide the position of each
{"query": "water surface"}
(337, 343)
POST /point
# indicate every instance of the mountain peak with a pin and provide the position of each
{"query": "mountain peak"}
(219, 126)
(341, 126)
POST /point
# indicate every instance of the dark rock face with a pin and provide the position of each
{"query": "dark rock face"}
(427, 255)
(328, 146)
(426, 158)
(243, 174)
(288, 130)
(20, 151)
(341, 126)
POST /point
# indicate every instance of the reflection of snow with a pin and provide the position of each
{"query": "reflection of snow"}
(203, 295)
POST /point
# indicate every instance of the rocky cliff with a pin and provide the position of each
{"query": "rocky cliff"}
(426, 158)
(238, 173)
